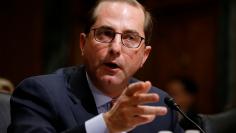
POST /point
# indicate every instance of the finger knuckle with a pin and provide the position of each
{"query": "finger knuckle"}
(141, 110)
(137, 98)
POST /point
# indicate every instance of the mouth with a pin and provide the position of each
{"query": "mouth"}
(112, 65)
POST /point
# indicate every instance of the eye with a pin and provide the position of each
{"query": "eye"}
(104, 35)
(104, 32)
(130, 37)
(109, 33)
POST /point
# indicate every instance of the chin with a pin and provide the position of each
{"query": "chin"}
(112, 80)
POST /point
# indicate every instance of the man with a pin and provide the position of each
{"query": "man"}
(6, 86)
(78, 99)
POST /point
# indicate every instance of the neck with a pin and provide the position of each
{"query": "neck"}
(111, 90)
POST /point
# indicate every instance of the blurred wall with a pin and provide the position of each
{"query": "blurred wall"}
(231, 98)
(21, 27)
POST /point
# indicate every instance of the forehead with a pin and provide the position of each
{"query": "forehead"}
(120, 16)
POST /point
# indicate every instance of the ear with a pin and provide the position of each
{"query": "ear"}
(82, 42)
(147, 51)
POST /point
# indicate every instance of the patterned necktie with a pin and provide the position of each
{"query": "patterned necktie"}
(112, 102)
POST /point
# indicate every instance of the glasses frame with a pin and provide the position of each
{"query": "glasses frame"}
(94, 34)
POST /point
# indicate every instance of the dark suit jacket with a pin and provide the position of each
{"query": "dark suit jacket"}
(62, 102)
(4, 112)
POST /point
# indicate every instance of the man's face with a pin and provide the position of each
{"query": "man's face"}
(113, 63)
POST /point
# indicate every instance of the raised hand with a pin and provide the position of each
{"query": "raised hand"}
(129, 111)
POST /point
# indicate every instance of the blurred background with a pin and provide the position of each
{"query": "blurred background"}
(192, 38)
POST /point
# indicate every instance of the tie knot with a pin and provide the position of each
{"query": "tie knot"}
(112, 102)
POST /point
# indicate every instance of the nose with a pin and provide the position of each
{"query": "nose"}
(115, 46)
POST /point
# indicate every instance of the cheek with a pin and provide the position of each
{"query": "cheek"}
(134, 58)
(133, 61)
(94, 54)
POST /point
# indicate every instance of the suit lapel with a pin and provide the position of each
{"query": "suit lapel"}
(81, 94)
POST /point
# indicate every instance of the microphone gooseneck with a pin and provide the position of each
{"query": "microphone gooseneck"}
(170, 102)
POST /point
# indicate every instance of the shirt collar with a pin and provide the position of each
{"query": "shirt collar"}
(99, 97)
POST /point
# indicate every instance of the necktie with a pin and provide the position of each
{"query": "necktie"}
(107, 106)
(112, 102)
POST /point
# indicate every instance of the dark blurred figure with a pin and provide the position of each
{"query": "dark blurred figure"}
(184, 91)
(6, 86)
(6, 89)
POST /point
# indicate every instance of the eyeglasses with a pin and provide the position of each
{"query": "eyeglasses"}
(106, 35)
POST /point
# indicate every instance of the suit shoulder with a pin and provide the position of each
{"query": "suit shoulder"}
(48, 79)
(58, 78)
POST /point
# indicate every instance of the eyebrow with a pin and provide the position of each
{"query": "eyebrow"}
(126, 31)
(131, 31)
(106, 27)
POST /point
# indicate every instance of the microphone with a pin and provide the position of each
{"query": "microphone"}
(170, 102)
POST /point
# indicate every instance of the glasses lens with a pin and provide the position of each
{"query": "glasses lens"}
(131, 40)
(104, 35)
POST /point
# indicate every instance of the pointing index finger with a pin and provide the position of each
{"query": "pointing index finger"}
(138, 87)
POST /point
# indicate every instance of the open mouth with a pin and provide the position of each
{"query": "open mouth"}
(111, 65)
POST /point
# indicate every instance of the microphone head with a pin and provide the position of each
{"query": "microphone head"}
(170, 102)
